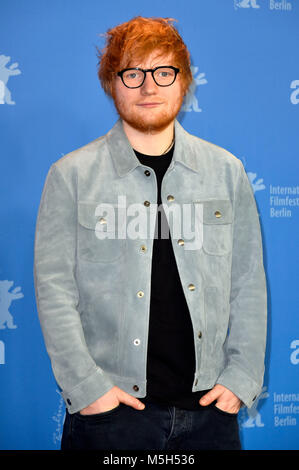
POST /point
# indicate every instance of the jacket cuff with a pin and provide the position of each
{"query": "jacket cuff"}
(88, 391)
(238, 382)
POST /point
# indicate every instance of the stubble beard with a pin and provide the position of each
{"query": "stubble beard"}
(146, 123)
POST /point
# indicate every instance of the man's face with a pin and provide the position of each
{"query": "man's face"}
(149, 108)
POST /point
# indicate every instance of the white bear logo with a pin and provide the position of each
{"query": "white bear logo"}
(254, 417)
(190, 101)
(256, 185)
(5, 73)
(6, 298)
(246, 4)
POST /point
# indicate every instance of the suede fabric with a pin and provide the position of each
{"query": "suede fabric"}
(93, 293)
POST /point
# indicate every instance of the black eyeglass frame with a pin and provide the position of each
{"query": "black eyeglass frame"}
(176, 70)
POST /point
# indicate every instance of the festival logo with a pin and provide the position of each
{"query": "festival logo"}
(6, 298)
(190, 101)
(257, 184)
(285, 409)
(273, 5)
(253, 418)
(284, 200)
(5, 74)
(245, 4)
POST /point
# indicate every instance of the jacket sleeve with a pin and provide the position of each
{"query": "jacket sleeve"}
(246, 340)
(57, 296)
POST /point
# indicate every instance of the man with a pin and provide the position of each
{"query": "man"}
(155, 341)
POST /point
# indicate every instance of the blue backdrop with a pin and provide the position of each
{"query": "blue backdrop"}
(245, 98)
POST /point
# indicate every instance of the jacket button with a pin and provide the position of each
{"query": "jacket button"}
(69, 401)
(191, 287)
(143, 248)
(170, 198)
(102, 220)
(199, 334)
(140, 293)
(196, 382)
(147, 203)
(218, 214)
(147, 173)
(135, 388)
(181, 242)
(137, 342)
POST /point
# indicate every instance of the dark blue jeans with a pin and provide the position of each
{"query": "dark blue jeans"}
(157, 427)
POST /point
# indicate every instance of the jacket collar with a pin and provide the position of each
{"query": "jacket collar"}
(124, 157)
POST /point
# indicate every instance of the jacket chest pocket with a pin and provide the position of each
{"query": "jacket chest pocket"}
(100, 232)
(217, 218)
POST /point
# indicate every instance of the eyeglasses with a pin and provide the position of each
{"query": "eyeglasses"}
(134, 77)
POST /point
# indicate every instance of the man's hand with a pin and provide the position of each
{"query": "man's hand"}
(111, 400)
(226, 400)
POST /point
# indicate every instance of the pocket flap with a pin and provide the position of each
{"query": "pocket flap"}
(98, 216)
(86, 214)
(217, 211)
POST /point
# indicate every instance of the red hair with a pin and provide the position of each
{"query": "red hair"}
(135, 40)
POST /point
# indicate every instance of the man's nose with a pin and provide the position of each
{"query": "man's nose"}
(149, 85)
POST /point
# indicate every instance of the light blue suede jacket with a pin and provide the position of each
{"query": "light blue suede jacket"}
(93, 293)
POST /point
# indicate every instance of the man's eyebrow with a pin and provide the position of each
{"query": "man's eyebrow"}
(166, 64)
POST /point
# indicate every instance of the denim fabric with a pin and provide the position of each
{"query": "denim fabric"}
(157, 427)
(93, 295)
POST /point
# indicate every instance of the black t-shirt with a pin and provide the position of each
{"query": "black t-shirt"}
(171, 355)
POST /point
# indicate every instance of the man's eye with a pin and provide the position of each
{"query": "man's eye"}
(132, 75)
(165, 73)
